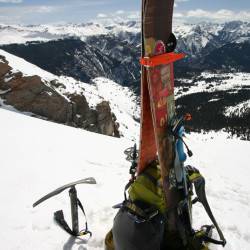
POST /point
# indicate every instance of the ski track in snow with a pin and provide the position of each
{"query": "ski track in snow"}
(38, 156)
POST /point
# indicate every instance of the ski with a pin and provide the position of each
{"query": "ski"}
(158, 105)
(161, 131)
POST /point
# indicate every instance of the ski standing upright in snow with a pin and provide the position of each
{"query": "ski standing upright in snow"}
(161, 131)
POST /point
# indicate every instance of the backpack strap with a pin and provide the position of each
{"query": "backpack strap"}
(199, 183)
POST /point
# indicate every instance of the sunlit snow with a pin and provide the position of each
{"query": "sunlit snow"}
(38, 156)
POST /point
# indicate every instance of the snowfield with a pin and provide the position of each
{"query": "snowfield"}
(38, 156)
(218, 82)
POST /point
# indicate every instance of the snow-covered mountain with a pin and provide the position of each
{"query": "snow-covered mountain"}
(20, 34)
(216, 101)
(193, 39)
(38, 156)
(27, 88)
(200, 95)
(214, 52)
(208, 46)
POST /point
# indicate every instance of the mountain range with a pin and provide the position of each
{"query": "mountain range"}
(218, 55)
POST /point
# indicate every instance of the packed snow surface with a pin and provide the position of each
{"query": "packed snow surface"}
(38, 156)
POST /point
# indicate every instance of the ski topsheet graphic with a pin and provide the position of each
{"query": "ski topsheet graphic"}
(158, 105)
(157, 84)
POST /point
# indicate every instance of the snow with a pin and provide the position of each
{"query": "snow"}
(229, 81)
(38, 156)
(224, 162)
(21, 34)
(237, 110)
(123, 103)
(23, 66)
(121, 99)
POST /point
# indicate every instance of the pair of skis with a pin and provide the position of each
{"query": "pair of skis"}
(160, 129)
(157, 95)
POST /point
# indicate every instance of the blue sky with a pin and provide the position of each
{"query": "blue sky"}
(52, 11)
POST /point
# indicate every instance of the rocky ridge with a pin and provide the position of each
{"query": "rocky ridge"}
(41, 99)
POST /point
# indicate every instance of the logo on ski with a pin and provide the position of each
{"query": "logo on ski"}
(160, 48)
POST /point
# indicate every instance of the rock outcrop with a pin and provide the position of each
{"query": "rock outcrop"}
(33, 94)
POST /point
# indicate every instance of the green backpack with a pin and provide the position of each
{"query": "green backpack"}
(146, 203)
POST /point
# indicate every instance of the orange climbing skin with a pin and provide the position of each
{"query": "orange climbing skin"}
(148, 150)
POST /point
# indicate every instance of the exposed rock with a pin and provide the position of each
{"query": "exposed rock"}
(32, 94)
(106, 121)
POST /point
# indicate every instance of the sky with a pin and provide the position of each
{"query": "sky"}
(78, 11)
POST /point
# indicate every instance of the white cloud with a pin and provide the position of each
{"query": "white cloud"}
(43, 9)
(119, 12)
(12, 15)
(121, 15)
(179, 1)
(222, 15)
(178, 15)
(135, 15)
(11, 1)
(101, 15)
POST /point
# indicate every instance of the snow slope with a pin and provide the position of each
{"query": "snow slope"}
(122, 100)
(220, 82)
(38, 156)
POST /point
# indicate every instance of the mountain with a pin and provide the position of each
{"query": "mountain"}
(214, 52)
(98, 107)
(83, 60)
(38, 156)
(113, 50)
(216, 101)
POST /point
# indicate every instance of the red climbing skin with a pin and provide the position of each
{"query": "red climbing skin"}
(147, 151)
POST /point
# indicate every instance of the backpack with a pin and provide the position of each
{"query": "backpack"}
(141, 222)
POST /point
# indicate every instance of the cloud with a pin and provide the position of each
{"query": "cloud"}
(179, 1)
(42, 9)
(119, 12)
(11, 1)
(222, 15)
(120, 15)
(14, 14)
(101, 15)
